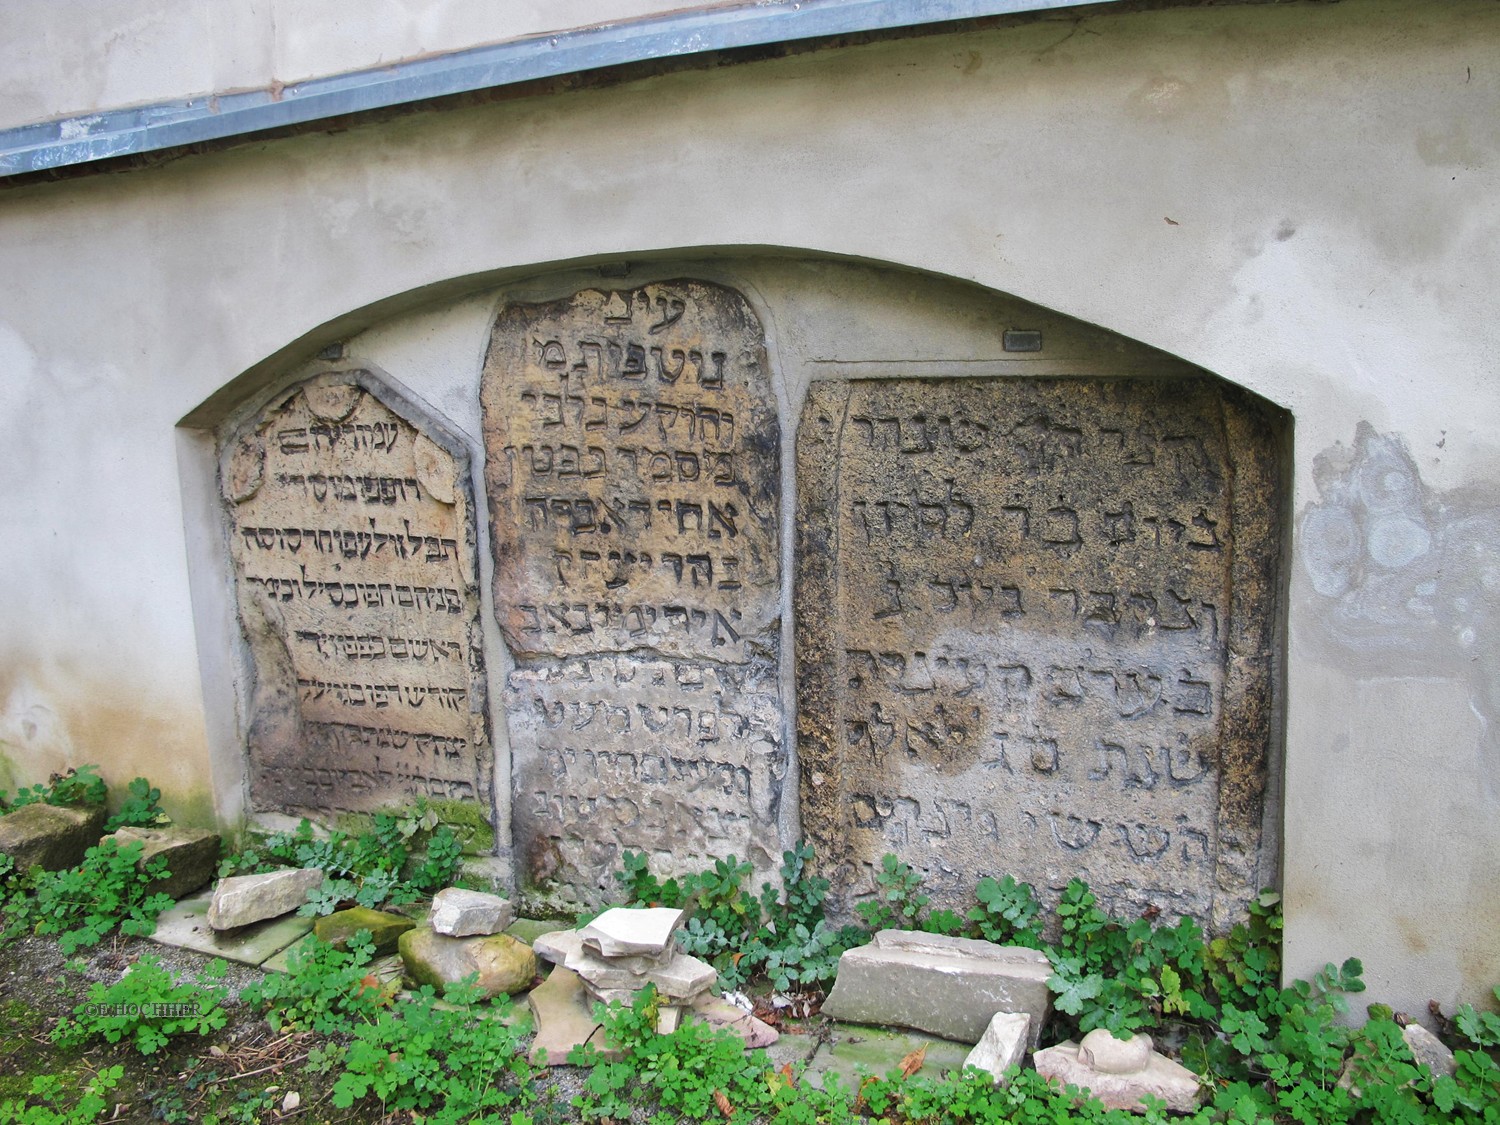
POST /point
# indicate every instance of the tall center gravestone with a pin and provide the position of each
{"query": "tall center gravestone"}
(352, 536)
(633, 475)
(1034, 626)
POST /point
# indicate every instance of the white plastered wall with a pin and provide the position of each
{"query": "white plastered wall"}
(1300, 198)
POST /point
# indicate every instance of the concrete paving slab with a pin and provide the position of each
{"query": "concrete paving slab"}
(881, 1049)
(186, 926)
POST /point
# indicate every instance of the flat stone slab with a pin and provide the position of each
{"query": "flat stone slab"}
(243, 899)
(563, 1011)
(1003, 1045)
(192, 856)
(457, 912)
(185, 925)
(1078, 1064)
(51, 837)
(948, 986)
(853, 1048)
(625, 931)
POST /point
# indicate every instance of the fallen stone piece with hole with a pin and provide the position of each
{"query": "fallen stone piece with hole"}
(1120, 1073)
(564, 1017)
(242, 899)
(1003, 1044)
(502, 963)
(947, 986)
(457, 912)
(192, 856)
(385, 930)
(630, 931)
(51, 837)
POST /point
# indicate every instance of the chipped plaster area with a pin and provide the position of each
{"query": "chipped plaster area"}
(1395, 801)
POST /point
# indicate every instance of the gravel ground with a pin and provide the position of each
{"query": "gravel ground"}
(242, 1072)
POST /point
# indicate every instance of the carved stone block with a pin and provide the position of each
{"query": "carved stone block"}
(1033, 624)
(352, 535)
(633, 478)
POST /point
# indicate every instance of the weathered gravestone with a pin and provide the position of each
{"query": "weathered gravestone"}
(1034, 624)
(352, 536)
(633, 475)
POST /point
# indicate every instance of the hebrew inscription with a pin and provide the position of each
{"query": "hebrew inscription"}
(1034, 622)
(633, 475)
(352, 538)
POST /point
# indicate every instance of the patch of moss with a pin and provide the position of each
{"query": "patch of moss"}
(17, 1015)
(466, 818)
(190, 809)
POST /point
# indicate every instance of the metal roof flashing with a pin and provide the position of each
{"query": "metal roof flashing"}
(89, 139)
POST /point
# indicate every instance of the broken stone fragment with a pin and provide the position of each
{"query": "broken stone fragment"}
(1068, 1064)
(461, 913)
(565, 947)
(948, 986)
(1429, 1051)
(502, 963)
(668, 1018)
(718, 1012)
(682, 978)
(628, 931)
(555, 947)
(1003, 1044)
(676, 975)
(243, 899)
(564, 1019)
(192, 856)
(385, 930)
(49, 836)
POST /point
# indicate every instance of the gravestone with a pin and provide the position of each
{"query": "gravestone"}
(1034, 623)
(633, 476)
(352, 537)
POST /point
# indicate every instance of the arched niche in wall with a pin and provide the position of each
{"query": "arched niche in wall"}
(1030, 570)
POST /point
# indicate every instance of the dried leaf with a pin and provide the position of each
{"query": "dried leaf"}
(723, 1103)
(786, 1072)
(913, 1062)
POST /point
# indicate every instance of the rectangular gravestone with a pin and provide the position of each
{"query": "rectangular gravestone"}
(1033, 636)
(352, 536)
(633, 476)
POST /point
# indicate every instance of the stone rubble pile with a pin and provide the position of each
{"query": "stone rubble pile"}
(1120, 1073)
(612, 959)
(948, 986)
(997, 998)
(464, 936)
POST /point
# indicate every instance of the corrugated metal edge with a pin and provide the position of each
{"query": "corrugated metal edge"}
(91, 138)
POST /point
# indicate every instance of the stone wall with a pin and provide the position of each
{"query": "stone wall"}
(1295, 197)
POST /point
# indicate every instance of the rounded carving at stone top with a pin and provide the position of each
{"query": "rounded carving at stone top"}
(332, 403)
(244, 469)
(435, 469)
